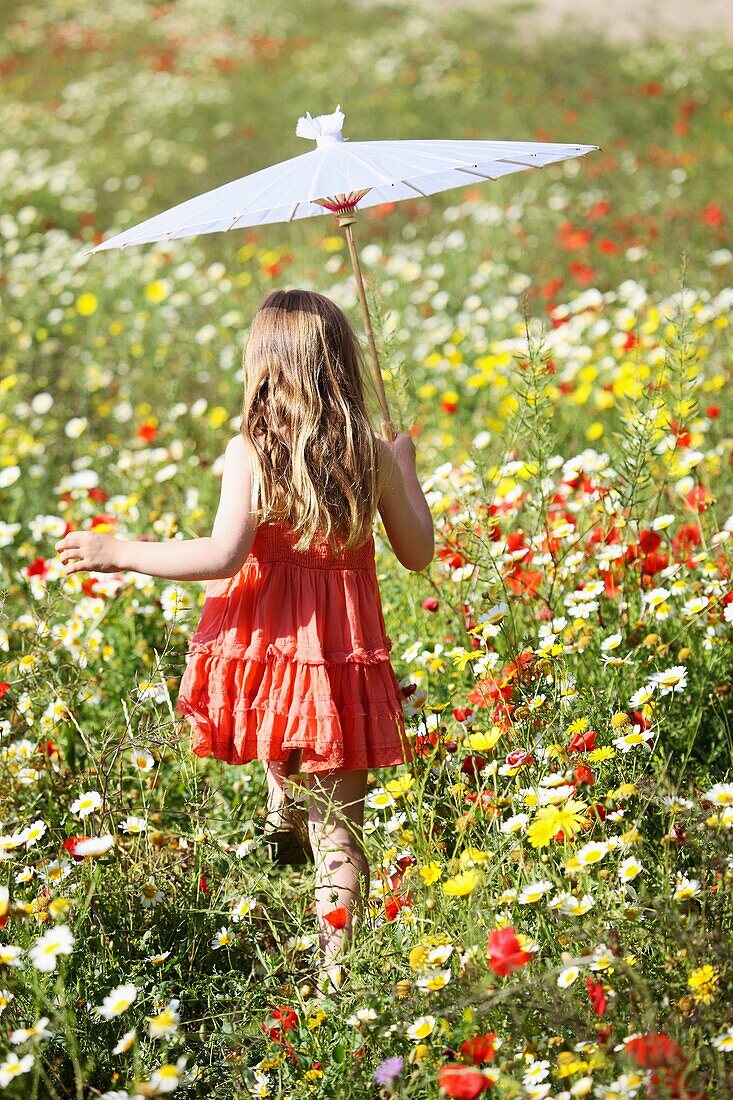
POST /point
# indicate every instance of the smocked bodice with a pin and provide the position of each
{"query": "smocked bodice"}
(274, 542)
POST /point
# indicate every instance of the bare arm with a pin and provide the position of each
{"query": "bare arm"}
(221, 554)
(402, 505)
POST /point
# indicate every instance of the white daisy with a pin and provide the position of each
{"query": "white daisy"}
(567, 976)
(223, 938)
(46, 950)
(533, 891)
(721, 794)
(13, 1067)
(117, 1001)
(670, 680)
(629, 869)
(724, 1041)
(86, 803)
(421, 1028)
(126, 1043)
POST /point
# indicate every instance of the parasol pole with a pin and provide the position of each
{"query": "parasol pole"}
(343, 210)
(346, 221)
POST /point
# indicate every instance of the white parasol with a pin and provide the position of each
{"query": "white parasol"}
(337, 177)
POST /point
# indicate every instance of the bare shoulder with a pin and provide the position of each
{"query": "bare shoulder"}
(238, 449)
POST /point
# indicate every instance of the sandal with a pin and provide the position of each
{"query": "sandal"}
(289, 843)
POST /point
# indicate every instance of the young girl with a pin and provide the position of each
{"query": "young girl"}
(290, 661)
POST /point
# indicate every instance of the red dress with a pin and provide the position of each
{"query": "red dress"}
(292, 652)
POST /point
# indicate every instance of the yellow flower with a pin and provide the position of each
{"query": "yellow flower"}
(569, 1063)
(603, 752)
(316, 1018)
(473, 855)
(417, 957)
(619, 720)
(461, 884)
(580, 725)
(624, 791)
(550, 820)
(460, 660)
(86, 304)
(702, 982)
(217, 416)
(430, 873)
(157, 291)
(401, 785)
(484, 741)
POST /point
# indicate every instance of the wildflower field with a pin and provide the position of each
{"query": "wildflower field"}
(549, 912)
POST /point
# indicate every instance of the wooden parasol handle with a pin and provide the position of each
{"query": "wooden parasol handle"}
(346, 221)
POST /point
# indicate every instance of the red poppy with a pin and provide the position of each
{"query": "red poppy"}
(573, 237)
(472, 764)
(37, 568)
(550, 288)
(430, 604)
(147, 431)
(505, 952)
(654, 1050)
(4, 687)
(649, 541)
(713, 215)
(479, 1048)
(596, 996)
(462, 1083)
(393, 903)
(583, 274)
(583, 742)
(699, 498)
(654, 563)
(279, 1020)
(598, 209)
(103, 518)
(524, 580)
(687, 538)
(583, 774)
(70, 845)
(424, 744)
(337, 918)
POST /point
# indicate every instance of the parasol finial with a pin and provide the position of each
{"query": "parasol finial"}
(324, 129)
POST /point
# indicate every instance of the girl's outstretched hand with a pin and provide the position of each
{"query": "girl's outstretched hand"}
(89, 551)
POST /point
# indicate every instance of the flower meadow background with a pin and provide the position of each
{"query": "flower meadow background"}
(549, 912)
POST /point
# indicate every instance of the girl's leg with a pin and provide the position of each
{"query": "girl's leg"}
(278, 797)
(335, 820)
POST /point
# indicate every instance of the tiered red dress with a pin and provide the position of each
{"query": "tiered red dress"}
(292, 652)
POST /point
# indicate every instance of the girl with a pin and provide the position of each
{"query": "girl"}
(290, 662)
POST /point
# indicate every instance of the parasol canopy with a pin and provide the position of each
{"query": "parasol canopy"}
(339, 176)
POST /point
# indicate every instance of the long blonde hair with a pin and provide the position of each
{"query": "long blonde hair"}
(304, 414)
